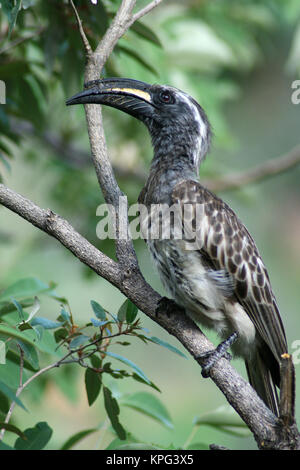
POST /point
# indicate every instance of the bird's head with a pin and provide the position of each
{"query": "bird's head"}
(169, 113)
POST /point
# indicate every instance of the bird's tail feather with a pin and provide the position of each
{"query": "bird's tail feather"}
(261, 377)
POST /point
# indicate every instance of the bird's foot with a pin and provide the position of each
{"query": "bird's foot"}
(166, 306)
(208, 359)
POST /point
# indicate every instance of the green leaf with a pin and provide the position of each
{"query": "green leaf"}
(8, 392)
(128, 311)
(8, 307)
(122, 312)
(135, 55)
(46, 323)
(65, 315)
(139, 379)
(19, 309)
(98, 310)
(24, 288)
(146, 33)
(130, 364)
(113, 411)
(98, 323)
(73, 440)
(224, 418)
(149, 405)
(11, 9)
(78, 341)
(46, 344)
(60, 334)
(29, 353)
(93, 381)
(36, 438)
(155, 340)
(12, 428)
(5, 446)
(13, 356)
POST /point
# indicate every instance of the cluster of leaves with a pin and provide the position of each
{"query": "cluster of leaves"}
(25, 336)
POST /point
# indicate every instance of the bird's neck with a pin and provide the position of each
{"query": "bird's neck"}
(175, 159)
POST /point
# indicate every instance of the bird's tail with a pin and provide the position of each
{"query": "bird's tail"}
(263, 373)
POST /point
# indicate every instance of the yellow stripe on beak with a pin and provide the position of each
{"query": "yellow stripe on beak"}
(133, 91)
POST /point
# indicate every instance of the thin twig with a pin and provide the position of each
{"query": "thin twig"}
(267, 169)
(84, 38)
(19, 41)
(80, 158)
(144, 11)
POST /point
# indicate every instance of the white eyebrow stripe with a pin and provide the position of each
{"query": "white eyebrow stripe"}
(197, 116)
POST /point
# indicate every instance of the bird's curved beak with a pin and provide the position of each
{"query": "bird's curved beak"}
(128, 95)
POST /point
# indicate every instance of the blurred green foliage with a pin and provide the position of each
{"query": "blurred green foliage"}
(209, 49)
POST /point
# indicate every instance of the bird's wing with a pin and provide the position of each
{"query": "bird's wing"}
(227, 245)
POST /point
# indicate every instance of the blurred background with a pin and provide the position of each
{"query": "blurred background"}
(238, 58)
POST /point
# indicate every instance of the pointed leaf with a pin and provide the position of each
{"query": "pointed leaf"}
(98, 310)
(8, 392)
(65, 315)
(139, 379)
(113, 410)
(153, 339)
(128, 311)
(93, 382)
(24, 288)
(135, 55)
(73, 440)
(146, 33)
(225, 419)
(46, 323)
(130, 364)
(36, 438)
(98, 323)
(149, 405)
(78, 341)
(19, 308)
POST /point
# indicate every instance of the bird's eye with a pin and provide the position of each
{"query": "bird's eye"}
(166, 97)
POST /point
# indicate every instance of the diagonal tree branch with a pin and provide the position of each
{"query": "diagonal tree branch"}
(79, 159)
(87, 46)
(270, 168)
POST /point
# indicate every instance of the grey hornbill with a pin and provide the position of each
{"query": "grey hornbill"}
(223, 284)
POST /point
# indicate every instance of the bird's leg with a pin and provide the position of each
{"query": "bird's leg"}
(166, 306)
(209, 358)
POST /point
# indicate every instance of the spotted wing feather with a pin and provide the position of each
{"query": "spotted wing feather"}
(226, 244)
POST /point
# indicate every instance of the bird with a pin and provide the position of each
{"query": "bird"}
(215, 271)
